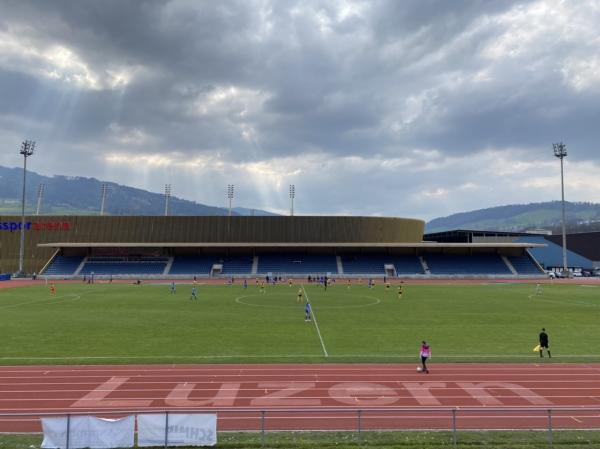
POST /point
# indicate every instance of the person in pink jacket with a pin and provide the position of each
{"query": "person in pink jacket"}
(425, 354)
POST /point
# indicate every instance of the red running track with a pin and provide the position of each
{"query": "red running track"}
(326, 397)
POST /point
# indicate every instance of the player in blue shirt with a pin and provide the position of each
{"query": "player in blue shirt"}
(307, 310)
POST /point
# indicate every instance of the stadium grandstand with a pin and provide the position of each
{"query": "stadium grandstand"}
(583, 249)
(586, 244)
(183, 247)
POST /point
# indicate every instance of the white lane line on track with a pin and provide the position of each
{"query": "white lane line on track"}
(292, 356)
(135, 386)
(333, 415)
(321, 367)
(553, 368)
(81, 377)
(314, 315)
(76, 378)
(547, 391)
(327, 397)
(319, 386)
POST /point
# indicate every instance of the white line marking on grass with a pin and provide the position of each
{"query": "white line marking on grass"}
(159, 357)
(569, 302)
(71, 297)
(315, 320)
(168, 284)
(269, 306)
(239, 301)
(43, 301)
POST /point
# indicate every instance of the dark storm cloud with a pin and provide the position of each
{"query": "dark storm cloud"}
(250, 82)
(164, 35)
(325, 90)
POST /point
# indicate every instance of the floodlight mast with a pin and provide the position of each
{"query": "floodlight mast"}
(40, 194)
(230, 189)
(27, 149)
(292, 196)
(167, 198)
(102, 198)
(560, 151)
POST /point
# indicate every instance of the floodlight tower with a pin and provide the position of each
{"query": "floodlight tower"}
(167, 198)
(40, 194)
(27, 149)
(230, 188)
(102, 198)
(560, 151)
(292, 196)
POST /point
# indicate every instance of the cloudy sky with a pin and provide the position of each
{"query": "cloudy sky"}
(401, 108)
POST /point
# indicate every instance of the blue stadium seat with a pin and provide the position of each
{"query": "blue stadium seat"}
(237, 265)
(551, 254)
(192, 265)
(294, 263)
(202, 265)
(466, 264)
(124, 265)
(524, 265)
(374, 264)
(63, 266)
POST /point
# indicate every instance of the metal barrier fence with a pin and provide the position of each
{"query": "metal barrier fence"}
(358, 420)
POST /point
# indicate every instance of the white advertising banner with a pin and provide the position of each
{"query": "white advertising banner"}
(88, 431)
(194, 429)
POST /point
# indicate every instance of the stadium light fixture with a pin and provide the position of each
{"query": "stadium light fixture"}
(102, 198)
(292, 196)
(560, 151)
(230, 188)
(27, 149)
(167, 198)
(40, 194)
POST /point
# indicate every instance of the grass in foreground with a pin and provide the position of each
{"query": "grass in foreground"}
(120, 323)
(379, 440)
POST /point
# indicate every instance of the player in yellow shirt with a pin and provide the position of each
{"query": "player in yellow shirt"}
(349, 284)
(52, 289)
(290, 282)
(400, 291)
(300, 297)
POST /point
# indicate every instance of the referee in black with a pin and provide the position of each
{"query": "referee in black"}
(544, 343)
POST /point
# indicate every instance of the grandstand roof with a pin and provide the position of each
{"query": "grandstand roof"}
(284, 245)
(466, 235)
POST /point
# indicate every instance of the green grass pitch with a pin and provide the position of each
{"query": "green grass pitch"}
(121, 323)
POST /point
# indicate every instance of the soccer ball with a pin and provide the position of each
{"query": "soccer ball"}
(419, 369)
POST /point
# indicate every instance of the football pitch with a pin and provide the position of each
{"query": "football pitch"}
(123, 323)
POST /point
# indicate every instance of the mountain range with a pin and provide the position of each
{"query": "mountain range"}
(522, 217)
(77, 195)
